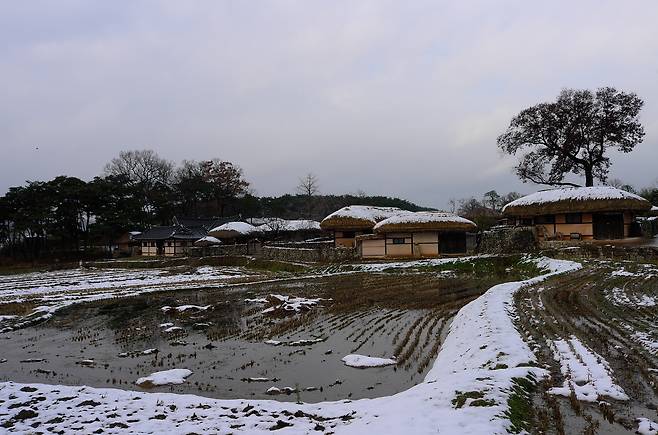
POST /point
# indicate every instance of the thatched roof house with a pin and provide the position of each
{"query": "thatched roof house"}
(600, 212)
(417, 235)
(424, 221)
(233, 230)
(354, 220)
(207, 241)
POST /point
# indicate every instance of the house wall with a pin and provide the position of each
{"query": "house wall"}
(176, 247)
(373, 248)
(149, 248)
(560, 230)
(344, 240)
(171, 247)
(426, 244)
(399, 250)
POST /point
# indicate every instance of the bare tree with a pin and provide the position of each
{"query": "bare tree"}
(573, 135)
(308, 185)
(453, 205)
(142, 167)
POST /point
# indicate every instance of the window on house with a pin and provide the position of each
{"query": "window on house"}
(546, 219)
(574, 218)
(526, 222)
(349, 234)
(398, 241)
(145, 244)
(153, 244)
(168, 243)
(183, 244)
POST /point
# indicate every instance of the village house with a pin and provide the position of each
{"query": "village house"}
(176, 239)
(234, 232)
(417, 235)
(579, 213)
(349, 222)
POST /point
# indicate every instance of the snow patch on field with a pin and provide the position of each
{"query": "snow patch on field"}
(362, 361)
(280, 304)
(620, 297)
(60, 289)
(586, 373)
(380, 267)
(647, 427)
(165, 377)
(483, 352)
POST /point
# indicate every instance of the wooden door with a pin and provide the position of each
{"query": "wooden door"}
(608, 226)
(452, 243)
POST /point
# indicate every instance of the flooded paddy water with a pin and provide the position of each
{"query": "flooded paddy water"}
(247, 342)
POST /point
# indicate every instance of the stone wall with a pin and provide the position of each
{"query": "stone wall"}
(601, 250)
(507, 240)
(211, 251)
(324, 253)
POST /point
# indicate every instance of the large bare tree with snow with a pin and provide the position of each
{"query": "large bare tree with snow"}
(573, 135)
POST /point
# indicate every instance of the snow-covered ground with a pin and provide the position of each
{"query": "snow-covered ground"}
(585, 372)
(482, 354)
(52, 291)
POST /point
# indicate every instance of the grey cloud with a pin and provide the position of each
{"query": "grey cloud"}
(353, 91)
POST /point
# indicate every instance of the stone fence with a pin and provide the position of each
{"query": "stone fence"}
(507, 240)
(308, 253)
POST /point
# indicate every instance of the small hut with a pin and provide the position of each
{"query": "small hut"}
(417, 235)
(579, 213)
(355, 220)
(234, 232)
(207, 241)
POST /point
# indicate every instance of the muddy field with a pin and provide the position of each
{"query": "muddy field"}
(597, 332)
(245, 340)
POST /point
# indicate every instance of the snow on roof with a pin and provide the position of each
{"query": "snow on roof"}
(363, 214)
(240, 228)
(575, 195)
(290, 225)
(208, 240)
(421, 217)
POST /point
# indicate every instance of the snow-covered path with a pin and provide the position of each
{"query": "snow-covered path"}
(482, 355)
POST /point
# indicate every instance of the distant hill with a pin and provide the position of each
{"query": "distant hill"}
(315, 207)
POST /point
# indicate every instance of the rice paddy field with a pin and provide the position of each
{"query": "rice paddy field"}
(243, 333)
(320, 335)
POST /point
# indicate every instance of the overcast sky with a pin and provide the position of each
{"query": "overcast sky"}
(399, 98)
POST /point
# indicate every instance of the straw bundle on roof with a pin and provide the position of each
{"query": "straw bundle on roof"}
(232, 230)
(576, 200)
(424, 221)
(357, 217)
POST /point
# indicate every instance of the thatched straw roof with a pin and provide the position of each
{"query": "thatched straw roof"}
(576, 200)
(424, 221)
(232, 230)
(357, 217)
(207, 241)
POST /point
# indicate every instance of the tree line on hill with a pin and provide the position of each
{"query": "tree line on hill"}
(67, 217)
